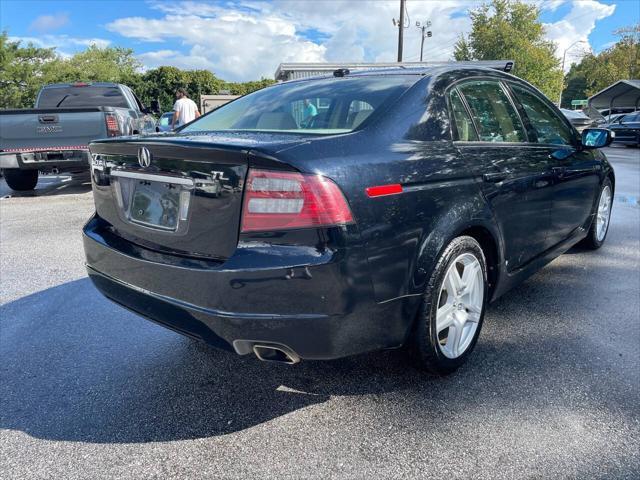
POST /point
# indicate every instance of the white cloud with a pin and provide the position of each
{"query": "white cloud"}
(46, 23)
(247, 40)
(576, 27)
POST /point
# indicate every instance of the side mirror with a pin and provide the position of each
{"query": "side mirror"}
(597, 137)
(155, 106)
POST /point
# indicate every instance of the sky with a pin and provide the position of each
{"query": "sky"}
(247, 39)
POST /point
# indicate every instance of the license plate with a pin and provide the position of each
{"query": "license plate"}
(156, 204)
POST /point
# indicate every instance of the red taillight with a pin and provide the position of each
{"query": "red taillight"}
(113, 130)
(286, 200)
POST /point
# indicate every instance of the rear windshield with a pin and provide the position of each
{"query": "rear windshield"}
(89, 96)
(325, 106)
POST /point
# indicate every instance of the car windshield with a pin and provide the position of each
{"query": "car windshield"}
(323, 106)
(81, 96)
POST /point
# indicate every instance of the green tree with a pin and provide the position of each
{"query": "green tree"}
(511, 29)
(243, 88)
(595, 72)
(21, 72)
(161, 83)
(25, 69)
(202, 82)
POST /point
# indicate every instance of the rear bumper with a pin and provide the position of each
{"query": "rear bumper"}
(321, 309)
(46, 160)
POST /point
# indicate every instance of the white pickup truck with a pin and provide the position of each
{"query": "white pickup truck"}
(54, 136)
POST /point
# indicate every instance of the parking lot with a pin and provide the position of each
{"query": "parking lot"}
(89, 390)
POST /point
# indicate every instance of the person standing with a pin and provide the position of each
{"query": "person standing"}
(185, 110)
(310, 112)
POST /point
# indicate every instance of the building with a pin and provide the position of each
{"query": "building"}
(211, 102)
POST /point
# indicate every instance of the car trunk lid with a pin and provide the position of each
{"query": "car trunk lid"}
(176, 195)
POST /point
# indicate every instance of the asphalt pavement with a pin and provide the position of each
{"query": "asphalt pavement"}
(89, 390)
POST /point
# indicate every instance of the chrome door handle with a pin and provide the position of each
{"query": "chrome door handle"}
(494, 177)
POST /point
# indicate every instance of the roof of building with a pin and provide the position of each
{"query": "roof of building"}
(623, 93)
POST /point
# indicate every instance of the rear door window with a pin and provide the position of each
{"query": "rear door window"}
(463, 129)
(493, 112)
(549, 127)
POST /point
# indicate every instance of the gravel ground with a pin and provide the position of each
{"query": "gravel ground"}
(89, 390)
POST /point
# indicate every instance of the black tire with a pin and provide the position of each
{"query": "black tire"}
(425, 345)
(591, 241)
(21, 180)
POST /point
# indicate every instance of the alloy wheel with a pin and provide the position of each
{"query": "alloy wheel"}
(603, 214)
(460, 305)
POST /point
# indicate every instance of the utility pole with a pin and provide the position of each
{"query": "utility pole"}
(400, 30)
(423, 27)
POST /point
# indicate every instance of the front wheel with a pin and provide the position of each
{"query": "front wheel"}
(21, 180)
(600, 225)
(452, 310)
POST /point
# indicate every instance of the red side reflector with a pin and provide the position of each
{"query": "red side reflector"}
(289, 200)
(381, 190)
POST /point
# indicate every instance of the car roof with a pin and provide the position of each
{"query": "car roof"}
(423, 71)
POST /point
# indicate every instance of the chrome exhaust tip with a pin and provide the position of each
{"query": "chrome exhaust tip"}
(278, 354)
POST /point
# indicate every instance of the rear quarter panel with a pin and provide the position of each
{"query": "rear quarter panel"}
(410, 145)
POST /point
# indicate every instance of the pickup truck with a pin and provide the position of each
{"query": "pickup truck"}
(54, 136)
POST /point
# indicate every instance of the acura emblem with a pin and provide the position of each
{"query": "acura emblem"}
(144, 157)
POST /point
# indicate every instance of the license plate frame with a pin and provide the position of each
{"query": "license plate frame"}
(153, 201)
(155, 204)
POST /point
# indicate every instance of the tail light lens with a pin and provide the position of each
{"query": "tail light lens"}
(288, 200)
(113, 129)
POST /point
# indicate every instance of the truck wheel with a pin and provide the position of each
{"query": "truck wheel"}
(452, 310)
(21, 180)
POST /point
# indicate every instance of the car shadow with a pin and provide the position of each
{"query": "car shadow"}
(76, 367)
(50, 185)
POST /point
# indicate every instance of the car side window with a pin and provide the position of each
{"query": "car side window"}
(549, 127)
(494, 115)
(464, 128)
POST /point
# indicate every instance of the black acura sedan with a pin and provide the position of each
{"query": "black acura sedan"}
(626, 129)
(325, 217)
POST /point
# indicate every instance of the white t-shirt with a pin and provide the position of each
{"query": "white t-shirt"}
(186, 109)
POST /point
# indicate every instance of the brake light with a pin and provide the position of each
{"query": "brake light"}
(287, 200)
(80, 84)
(113, 129)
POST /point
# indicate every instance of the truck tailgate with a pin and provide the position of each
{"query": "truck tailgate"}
(39, 129)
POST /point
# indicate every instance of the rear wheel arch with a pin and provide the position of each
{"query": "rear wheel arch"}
(489, 246)
(612, 178)
(432, 247)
